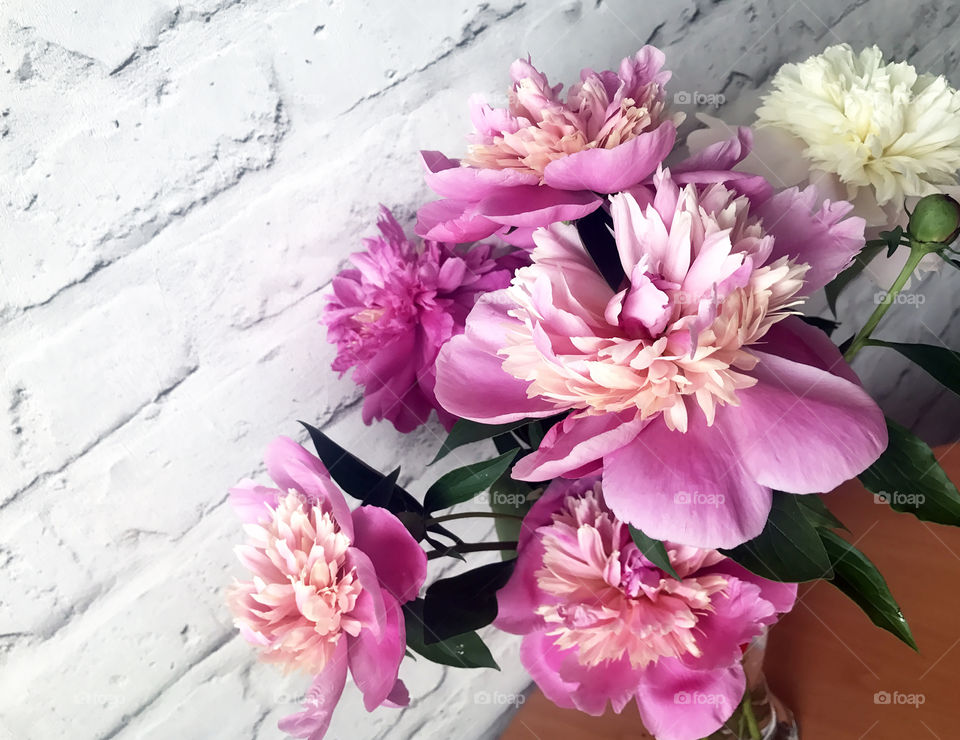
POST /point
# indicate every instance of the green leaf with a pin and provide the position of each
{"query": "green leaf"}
(817, 512)
(942, 363)
(464, 483)
(597, 238)
(788, 549)
(465, 432)
(841, 281)
(464, 602)
(513, 497)
(462, 651)
(827, 326)
(381, 493)
(653, 550)
(908, 477)
(357, 478)
(859, 579)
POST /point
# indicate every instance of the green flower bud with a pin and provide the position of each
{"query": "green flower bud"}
(936, 219)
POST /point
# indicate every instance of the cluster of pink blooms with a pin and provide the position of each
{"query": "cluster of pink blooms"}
(390, 314)
(691, 390)
(602, 624)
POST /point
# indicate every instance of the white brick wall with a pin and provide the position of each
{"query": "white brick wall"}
(178, 183)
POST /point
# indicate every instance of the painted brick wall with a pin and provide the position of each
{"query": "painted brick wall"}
(178, 183)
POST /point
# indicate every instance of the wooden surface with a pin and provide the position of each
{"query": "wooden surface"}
(826, 660)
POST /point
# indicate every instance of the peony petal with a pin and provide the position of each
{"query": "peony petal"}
(471, 382)
(449, 180)
(737, 615)
(795, 339)
(569, 684)
(687, 488)
(250, 501)
(536, 205)
(370, 609)
(448, 221)
(292, 467)
(781, 596)
(612, 170)
(677, 703)
(400, 563)
(801, 429)
(374, 663)
(721, 155)
(577, 441)
(816, 234)
(518, 600)
(322, 697)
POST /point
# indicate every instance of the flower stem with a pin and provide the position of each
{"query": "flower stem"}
(746, 708)
(472, 547)
(472, 514)
(917, 252)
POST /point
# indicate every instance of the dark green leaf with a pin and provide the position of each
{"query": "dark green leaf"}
(817, 512)
(841, 281)
(465, 432)
(788, 549)
(597, 238)
(506, 442)
(908, 477)
(513, 497)
(462, 651)
(464, 483)
(464, 602)
(653, 550)
(381, 493)
(357, 478)
(859, 579)
(827, 326)
(942, 363)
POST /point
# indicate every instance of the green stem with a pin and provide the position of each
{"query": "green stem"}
(917, 253)
(470, 515)
(746, 707)
(472, 547)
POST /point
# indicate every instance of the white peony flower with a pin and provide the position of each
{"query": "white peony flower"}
(874, 125)
(878, 135)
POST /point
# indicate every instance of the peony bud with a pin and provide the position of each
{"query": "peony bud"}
(936, 219)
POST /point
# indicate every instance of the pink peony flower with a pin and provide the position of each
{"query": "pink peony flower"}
(391, 314)
(326, 586)
(602, 624)
(691, 385)
(544, 159)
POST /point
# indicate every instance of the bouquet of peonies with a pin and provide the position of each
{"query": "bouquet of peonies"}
(623, 318)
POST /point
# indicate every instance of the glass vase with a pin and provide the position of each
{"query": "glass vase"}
(761, 715)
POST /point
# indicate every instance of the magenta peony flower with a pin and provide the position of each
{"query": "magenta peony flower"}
(691, 385)
(326, 587)
(544, 159)
(391, 314)
(602, 624)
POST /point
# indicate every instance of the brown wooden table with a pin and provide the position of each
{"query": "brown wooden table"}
(826, 660)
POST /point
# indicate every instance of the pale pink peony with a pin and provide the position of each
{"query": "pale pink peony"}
(391, 313)
(602, 624)
(691, 385)
(326, 585)
(545, 159)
